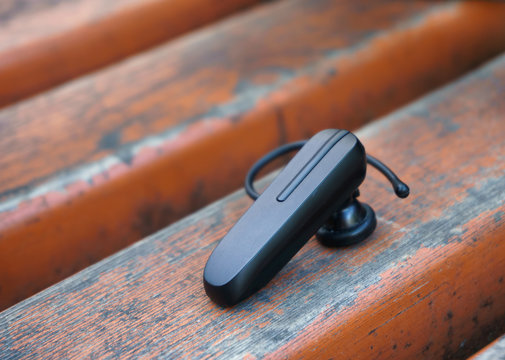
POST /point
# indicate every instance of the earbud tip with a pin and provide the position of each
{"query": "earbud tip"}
(402, 190)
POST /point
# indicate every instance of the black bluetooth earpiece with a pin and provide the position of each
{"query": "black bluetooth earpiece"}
(316, 193)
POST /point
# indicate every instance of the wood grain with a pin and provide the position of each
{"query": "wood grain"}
(427, 284)
(494, 351)
(104, 161)
(45, 43)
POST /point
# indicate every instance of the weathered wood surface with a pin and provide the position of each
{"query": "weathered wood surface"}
(46, 42)
(104, 161)
(427, 284)
(494, 351)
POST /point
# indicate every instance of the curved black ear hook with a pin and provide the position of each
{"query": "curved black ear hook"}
(316, 192)
(401, 189)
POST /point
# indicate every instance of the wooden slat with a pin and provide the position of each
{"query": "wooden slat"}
(427, 284)
(109, 159)
(494, 351)
(46, 42)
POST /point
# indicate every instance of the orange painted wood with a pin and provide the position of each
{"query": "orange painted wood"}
(494, 351)
(104, 161)
(46, 42)
(427, 284)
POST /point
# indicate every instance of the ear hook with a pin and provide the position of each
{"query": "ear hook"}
(400, 188)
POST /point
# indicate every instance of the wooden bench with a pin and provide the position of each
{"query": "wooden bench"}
(427, 284)
(44, 43)
(105, 160)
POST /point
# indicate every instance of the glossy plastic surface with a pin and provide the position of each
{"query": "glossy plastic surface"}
(325, 172)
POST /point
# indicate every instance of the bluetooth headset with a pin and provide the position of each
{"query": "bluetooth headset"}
(315, 193)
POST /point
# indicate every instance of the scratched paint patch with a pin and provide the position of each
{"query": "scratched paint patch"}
(113, 166)
(424, 274)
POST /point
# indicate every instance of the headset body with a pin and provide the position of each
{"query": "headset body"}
(318, 181)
